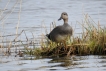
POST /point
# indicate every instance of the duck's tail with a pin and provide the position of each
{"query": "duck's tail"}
(47, 35)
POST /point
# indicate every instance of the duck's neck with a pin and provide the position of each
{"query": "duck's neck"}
(65, 21)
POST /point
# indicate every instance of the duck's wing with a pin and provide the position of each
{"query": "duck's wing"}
(55, 33)
(57, 30)
(61, 30)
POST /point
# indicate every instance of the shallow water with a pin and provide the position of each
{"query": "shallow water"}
(35, 17)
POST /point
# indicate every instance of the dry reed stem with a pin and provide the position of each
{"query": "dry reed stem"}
(18, 35)
(2, 39)
(9, 47)
(33, 40)
(26, 35)
(2, 20)
(4, 9)
(50, 27)
(7, 15)
(19, 17)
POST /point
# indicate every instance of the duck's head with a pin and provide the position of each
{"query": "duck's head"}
(63, 16)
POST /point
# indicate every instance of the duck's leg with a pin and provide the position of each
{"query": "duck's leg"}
(65, 45)
(57, 48)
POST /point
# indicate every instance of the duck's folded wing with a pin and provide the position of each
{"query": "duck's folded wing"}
(62, 30)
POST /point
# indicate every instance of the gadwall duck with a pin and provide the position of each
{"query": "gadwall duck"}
(60, 33)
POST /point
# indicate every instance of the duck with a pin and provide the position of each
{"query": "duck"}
(60, 33)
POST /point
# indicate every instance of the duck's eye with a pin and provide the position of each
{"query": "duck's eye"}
(64, 14)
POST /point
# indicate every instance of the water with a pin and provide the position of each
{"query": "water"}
(37, 14)
(77, 63)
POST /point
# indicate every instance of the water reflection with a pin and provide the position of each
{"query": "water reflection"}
(79, 62)
(69, 61)
(65, 61)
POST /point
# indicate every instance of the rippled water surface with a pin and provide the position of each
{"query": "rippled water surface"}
(76, 63)
(35, 17)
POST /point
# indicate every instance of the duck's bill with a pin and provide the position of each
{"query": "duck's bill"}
(59, 18)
